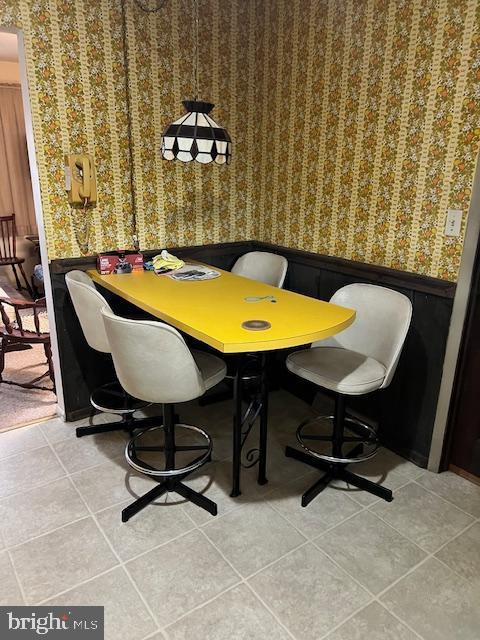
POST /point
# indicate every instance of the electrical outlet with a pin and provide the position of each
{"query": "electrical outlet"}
(453, 224)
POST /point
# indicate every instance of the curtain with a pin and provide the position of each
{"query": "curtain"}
(15, 182)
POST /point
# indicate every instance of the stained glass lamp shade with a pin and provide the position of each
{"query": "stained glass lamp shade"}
(195, 136)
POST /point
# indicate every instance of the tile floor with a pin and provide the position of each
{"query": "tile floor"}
(348, 567)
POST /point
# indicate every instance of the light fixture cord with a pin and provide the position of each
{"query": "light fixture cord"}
(128, 97)
(195, 51)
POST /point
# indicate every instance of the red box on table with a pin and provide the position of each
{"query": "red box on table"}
(119, 262)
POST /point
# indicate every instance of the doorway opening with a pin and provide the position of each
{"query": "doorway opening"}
(29, 372)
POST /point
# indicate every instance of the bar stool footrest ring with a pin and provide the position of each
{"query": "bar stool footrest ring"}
(143, 467)
(365, 435)
(111, 398)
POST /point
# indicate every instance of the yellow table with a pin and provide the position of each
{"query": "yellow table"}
(213, 312)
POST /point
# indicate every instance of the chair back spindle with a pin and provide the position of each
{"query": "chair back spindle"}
(8, 233)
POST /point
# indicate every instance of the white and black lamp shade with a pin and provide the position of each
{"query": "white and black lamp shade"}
(195, 136)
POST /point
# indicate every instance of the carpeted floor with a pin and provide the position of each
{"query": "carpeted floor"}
(20, 406)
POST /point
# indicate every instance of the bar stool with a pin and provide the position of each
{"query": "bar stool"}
(263, 266)
(153, 363)
(269, 268)
(359, 360)
(109, 398)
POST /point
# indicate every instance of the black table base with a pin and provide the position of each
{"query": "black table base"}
(250, 387)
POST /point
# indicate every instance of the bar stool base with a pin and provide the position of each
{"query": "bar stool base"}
(170, 478)
(334, 471)
(175, 486)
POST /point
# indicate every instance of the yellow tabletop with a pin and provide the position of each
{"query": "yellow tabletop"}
(213, 310)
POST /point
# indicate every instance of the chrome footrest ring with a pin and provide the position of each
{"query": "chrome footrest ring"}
(367, 438)
(136, 464)
(111, 398)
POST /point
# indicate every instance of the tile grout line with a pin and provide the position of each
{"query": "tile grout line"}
(405, 624)
(15, 573)
(375, 597)
(23, 451)
(38, 486)
(437, 495)
(362, 508)
(416, 543)
(165, 629)
(359, 610)
(263, 499)
(242, 581)
(46, 533)
(346, 572)
(390, 586)
(328, 529)
(31, 489)
(88, 515)
(387, 524)
(152, 635)
(132, 582)
(311, 541)
(429, 556)
(77, 585)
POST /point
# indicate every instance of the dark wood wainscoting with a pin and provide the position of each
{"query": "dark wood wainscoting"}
(405, 411)
(84, 369)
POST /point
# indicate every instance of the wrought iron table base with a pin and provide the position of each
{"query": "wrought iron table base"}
(243, 422)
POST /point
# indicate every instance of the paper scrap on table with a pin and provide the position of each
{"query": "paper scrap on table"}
(194, 272)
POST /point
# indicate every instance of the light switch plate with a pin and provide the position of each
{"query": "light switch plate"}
(453, 224)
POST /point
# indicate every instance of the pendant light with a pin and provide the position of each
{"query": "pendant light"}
(195, 136)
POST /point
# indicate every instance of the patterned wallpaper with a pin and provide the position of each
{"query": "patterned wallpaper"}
(355, 122)
(371, 121)
(76, 73)
(183, 204)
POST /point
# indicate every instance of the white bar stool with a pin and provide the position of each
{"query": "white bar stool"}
(359, 360)
(153, 363)
(263, 266)
(110, 397)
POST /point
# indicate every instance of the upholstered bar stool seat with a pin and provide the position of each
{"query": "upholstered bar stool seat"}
(338, 369)
(212, 369)
(359, 360)
(153, 363)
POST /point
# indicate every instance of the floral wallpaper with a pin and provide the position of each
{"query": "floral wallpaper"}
(371, 127)
(355, 123)
(185, 204)
(77, 83)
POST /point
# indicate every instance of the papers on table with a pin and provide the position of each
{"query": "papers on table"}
(194, 272)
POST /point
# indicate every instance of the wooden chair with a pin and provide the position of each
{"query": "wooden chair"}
(13, 337)
(8, 251)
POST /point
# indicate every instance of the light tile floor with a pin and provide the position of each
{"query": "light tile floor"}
(347, 567)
